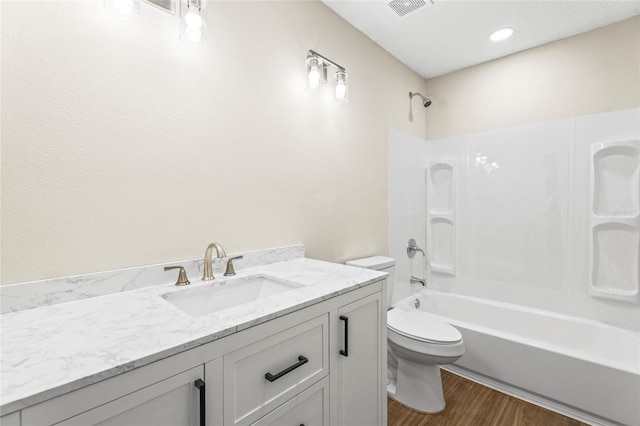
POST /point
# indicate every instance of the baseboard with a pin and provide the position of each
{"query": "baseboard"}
(533, 398)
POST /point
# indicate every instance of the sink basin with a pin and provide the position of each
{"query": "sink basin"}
(220, 296)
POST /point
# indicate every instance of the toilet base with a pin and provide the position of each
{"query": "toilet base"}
(410, 408)
(418, 386)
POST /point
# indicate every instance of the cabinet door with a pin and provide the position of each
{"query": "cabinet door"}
(173, 401)
(360, 357)
(12, 419)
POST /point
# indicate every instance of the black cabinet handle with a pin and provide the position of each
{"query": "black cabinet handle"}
(345, 351)
(200, 385)
(301, 360)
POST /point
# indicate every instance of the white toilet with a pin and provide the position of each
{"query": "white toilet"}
(418, 343)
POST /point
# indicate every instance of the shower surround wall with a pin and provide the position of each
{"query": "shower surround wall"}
(542, 215)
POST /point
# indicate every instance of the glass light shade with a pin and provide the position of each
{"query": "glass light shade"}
(314, 72)
(123, 7)
(193, 35)
(314, 77)
(193, 25)
(341, 89)
(193, 19)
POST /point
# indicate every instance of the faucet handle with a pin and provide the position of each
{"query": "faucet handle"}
(412, 248)
(182, 275)
(229, 272)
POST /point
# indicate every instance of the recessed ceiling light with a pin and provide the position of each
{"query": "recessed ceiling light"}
(501, 34)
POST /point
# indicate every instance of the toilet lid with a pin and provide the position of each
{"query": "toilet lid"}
(422, 326)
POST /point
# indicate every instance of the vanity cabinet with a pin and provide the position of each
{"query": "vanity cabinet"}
(320, 365)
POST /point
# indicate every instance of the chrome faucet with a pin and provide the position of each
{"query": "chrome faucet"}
(207, 275)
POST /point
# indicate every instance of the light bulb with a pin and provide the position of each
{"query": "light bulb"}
(194, 35)
(341, 90)
(193, 18)
(123, 7)
(314, 77)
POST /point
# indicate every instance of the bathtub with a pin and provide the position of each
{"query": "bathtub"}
(581, 368)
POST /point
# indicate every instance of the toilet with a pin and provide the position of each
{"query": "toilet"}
(417, 344)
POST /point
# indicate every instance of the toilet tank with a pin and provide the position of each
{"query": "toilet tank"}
(382, 264)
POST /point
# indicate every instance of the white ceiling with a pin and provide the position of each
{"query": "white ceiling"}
(449, 35)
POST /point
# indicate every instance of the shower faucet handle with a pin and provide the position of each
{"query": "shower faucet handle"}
(412, 248)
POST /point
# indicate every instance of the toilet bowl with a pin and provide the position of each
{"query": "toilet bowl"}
(417, 344)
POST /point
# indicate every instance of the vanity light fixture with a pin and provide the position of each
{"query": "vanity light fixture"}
(317, 66)
(192, 22)
(193, 27)
(501, 34)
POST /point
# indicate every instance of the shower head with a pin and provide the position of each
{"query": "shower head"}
(425, 101)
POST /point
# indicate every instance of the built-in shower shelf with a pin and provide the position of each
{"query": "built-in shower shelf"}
(449, 216)
(441, 212)
(443, 269)
(614, 243)
(619, 292)
(600, 220)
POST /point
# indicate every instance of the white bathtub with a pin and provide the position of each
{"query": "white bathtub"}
(582, 368)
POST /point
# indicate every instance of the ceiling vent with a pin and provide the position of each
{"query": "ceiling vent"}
(404, 7)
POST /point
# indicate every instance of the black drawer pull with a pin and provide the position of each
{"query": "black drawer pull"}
(301, 360)
(345, 351)
(201, 387)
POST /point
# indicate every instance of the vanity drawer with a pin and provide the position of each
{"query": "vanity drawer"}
(293, 359)
(309, 408)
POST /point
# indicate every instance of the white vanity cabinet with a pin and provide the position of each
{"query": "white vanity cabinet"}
(288, 370)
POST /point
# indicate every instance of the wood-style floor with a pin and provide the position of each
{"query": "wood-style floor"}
(471, 404)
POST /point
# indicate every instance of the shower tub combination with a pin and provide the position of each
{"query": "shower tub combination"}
(581, 368)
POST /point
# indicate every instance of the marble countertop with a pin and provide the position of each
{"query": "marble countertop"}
(55, 349)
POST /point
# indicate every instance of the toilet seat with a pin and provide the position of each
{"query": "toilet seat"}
(422, 326)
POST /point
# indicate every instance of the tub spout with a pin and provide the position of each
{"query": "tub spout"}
(416, 280)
